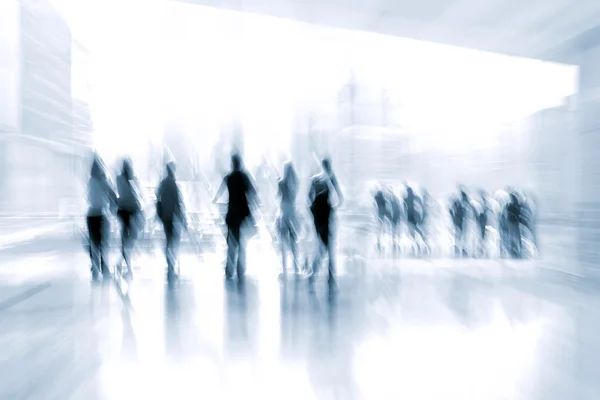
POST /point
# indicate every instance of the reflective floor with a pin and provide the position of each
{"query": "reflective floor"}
(396, 329)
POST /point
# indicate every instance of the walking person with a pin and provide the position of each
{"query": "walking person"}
(413, 207)
(170, 209)
(322, 187)
(129, 212)
(514, 216)
(101, 200)
(381, 213)
(288, 219)
(395, 216)
(242, 194)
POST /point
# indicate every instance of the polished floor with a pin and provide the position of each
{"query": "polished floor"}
(396, 329)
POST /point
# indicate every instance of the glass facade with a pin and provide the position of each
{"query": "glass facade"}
(39, 152)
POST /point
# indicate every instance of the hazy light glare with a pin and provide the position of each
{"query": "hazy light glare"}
(207, 64)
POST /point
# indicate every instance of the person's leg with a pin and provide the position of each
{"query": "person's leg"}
(177, 231)
(125, 218)
(329, 243)
(419, 232)
(519, 240)
(283, 244)
(483, 239)
(379, 231)
(94, 240)
(102, 232)
(458, 236)
(240, 239)
(320, 250)
(294, 247)
(135, 224)
(232, 248)
(168, 227)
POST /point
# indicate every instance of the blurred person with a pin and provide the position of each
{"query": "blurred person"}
(529, 218)
(427, 204)
(379, 201)
(170, 209)
(322, 209)
(414, 213)
(101, 200)
(514, 218)
(242, 194)
(395, 215)
(459, 213)
(129, 211)
(483, 221)
(502, 198)
(288, 218)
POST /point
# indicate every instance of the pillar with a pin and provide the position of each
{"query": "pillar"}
(588, 132)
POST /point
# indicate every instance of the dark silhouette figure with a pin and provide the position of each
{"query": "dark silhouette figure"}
(101, 199)
(514, 218)
(414, 214)
(381, 212)
(482, 221)
(288, 218)
(170, 209)
(129, 213)
(528, 218)
(242, 194)
(395, 216)
(459, 214)
(322, 210)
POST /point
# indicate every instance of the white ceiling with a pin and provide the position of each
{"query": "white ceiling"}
(529, 28)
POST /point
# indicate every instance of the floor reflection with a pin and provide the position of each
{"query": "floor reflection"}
(240, 311)
(391, 331)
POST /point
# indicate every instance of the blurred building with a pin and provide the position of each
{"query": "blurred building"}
(553, 157)
(370, 144)
(10, 70)
(81, 76)
(311, 136)
(179, 148)
(40, 148)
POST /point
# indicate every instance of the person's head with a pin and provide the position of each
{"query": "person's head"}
(97, 170)
(236, 162)
(463, 195)
(127, 170)
(326, 165)
(171, 169)
(288, 171)
(513, 198)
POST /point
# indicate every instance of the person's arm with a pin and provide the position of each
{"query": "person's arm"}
(221, 190)
(419, 202)
(251, 192)
(159, 191)
(337, 189)
(181, 207)
(311, 192)
(137, 190)
(112, 194)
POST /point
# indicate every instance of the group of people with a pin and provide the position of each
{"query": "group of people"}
(243, 200)
(510, 214)
(512, 218)
(126, 201)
